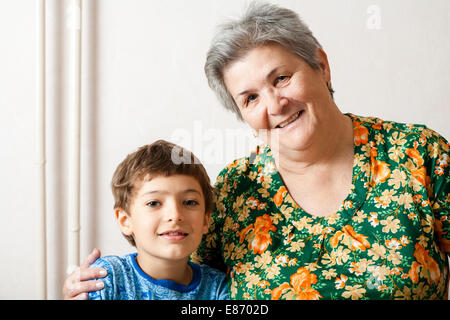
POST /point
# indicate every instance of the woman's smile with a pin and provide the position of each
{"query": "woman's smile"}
(287, 123)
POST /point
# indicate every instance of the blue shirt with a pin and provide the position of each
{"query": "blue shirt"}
(126, 281)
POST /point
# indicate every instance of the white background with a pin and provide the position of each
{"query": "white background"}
(143, 80)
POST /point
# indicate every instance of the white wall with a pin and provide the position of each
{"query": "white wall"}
(143, 80)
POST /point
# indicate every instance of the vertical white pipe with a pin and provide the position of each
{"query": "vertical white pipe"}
(41, 247)
(74, 136)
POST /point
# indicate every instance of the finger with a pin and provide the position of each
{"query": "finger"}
(79, 290)
(83, 274)
(90, 259)
(81, 296)
(89, 274)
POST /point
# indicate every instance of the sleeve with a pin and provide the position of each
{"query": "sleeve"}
(222, 290)
(209, 251)
(439, 191)
(107, 293)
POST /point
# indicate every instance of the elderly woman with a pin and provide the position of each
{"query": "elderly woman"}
(332, 206)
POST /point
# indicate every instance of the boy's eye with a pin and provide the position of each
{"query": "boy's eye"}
(191, 202)
(153, 203)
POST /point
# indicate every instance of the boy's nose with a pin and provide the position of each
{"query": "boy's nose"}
(174, 213)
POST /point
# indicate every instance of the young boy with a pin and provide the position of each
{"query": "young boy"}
(162, 206)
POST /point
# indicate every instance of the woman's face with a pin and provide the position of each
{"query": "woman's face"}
(279, 93)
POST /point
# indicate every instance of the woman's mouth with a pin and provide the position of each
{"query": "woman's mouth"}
(290, 120)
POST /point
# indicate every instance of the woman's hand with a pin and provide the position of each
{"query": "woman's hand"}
(76, 285)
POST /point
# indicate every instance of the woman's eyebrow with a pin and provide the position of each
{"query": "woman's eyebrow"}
(269, 75)
(244, 93)
(274, 70)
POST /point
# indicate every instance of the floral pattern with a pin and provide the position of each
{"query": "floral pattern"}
(389, 240)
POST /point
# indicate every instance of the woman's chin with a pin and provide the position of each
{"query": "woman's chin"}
(293, 140)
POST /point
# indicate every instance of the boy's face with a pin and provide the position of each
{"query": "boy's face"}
(167, 218)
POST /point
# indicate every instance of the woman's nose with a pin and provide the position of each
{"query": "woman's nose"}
(275, 102)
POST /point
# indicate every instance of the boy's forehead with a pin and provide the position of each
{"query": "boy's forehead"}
(158, 182)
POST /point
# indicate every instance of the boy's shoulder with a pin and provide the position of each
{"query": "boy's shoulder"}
(118, 268)
(118, 280)
(114, 262)
(208, 271)
(213, 284)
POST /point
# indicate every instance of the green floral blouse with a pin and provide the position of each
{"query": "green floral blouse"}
(389, 239)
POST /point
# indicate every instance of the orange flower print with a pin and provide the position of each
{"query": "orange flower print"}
(424, 261)
(404, 240)
(334, 240)
(443, 160)
(439, 171)
(340, 282)
(382, 288)
(444, 244)
(360, 134)
(415, 155)
(378, 125)
(393, 244)
(276, 293)
(420, 172)
(373, 219)
(351, 238)
(300, 286)
(252, 203)
(396, 271)
(379, 169)
(421, 176)
(258, 234)
(278, 197)
(263, 284)
(234, 164)
(417, 198)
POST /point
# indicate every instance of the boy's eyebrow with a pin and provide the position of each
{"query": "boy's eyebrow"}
(165, 192)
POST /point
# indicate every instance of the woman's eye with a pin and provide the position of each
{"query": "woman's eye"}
(250, 99)
(153, 203)
(281, 79)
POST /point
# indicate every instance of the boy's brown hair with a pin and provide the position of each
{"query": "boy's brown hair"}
(160, 158)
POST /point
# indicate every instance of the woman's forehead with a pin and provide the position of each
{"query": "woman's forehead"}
(258, 64)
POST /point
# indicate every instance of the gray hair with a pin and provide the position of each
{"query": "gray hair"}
(262, 23)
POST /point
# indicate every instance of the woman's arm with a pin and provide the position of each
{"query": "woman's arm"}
(77, 285)
(439, 170)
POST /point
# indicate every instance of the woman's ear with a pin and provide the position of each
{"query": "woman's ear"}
(324, 66)
(124, 221)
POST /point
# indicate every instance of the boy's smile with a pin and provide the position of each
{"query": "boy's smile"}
(166, 218)
(174, 235)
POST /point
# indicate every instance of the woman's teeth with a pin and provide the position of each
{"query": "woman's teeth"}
(290, 120)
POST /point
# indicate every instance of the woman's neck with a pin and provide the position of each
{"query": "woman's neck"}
(332, 146)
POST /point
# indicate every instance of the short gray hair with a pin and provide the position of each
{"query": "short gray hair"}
(261, 24)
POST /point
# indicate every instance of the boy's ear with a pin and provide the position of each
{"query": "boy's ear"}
(124, 221)
(206, 222)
